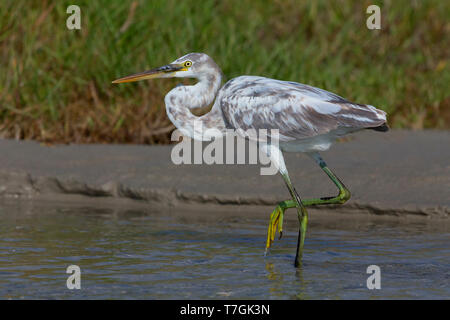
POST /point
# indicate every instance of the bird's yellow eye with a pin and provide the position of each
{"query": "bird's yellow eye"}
(188, 64)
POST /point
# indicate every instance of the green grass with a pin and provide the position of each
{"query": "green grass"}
(55, 84)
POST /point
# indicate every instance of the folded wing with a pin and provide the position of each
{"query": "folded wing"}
(298, 111)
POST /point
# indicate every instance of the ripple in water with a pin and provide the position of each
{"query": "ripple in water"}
(148, 255)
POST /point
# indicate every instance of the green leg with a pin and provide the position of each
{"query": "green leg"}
(276, 218)
(302, 215)
(344, 193)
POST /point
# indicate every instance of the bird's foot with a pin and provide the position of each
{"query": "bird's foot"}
(276, 220)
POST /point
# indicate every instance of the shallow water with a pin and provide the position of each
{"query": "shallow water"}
(132, 254)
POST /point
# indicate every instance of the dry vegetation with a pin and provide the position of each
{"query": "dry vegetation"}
(55, 84)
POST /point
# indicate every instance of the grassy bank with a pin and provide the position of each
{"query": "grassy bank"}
(55, 83)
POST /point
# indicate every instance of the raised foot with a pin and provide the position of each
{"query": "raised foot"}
(343, 196)
(276, 221)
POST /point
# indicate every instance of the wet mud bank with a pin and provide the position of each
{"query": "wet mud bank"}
(400, 173)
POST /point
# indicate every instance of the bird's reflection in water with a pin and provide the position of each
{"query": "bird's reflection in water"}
(272, 274)
(301, 295)
(276, 278)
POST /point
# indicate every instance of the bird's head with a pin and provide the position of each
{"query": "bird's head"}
(192, 65)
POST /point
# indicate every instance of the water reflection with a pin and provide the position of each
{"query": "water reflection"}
(147, 254)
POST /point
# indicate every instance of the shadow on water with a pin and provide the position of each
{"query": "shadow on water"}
(148, 254)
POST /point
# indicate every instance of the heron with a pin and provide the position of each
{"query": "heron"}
(308, 120)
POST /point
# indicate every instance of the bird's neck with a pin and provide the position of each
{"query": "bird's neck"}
(181, 99)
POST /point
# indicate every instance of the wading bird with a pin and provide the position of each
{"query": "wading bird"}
(308, 120)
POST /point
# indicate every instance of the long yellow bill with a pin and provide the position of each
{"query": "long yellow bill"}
(162, 72)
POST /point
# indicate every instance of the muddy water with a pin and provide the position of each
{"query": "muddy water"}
(147, 254)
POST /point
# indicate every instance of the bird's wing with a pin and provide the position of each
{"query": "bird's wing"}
(298, 111)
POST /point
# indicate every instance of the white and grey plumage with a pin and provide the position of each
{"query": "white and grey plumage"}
(309, 119)
(300, 112)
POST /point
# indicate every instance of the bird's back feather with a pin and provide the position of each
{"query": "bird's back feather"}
(297, 110)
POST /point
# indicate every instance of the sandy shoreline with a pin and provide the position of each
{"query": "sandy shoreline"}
(401, 173)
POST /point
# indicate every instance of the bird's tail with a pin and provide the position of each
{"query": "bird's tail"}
(383, 128)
